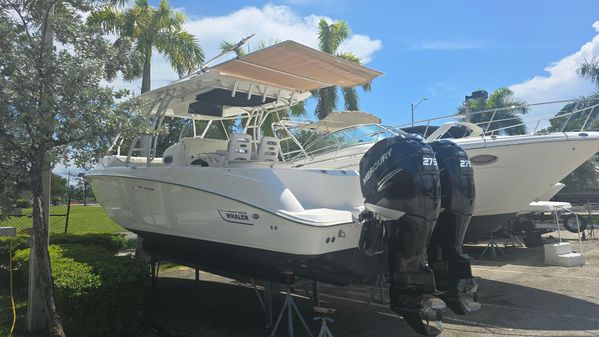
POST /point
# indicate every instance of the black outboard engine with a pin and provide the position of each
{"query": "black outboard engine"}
(453, 275)
(400, 182)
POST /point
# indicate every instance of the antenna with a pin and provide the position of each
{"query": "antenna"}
(225, 52)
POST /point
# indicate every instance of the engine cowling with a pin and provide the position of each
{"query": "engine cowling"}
(453, 274)
(401, 186)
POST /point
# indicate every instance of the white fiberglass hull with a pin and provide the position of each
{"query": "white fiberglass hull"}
(526, 166)
(248, 217)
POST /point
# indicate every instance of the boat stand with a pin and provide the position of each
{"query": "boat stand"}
(382, 287)
(324, 328)
(512, 240)
(493, 247)
(265, 301)
(154, 269)
(290, 306)
(314, 294)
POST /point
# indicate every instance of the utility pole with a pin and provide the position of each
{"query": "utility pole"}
(414, 105)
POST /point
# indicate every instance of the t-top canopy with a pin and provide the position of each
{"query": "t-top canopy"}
(293, 65)
(272, 78)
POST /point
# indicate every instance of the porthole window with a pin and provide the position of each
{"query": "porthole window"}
(167, 160)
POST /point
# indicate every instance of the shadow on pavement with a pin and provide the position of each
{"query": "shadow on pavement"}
(184, 308)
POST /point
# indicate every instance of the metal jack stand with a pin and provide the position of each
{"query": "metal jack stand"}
(314, 294)
(265, 300)
(154, 270)
(381, 286)
(512, 240)
(324, 328)
(290, 307)
(494, 246)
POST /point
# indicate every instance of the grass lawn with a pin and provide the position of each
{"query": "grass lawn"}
(82, 219)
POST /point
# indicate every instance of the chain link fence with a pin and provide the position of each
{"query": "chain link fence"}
(77, 218)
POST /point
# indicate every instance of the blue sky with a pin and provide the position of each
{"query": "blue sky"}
(441, 50)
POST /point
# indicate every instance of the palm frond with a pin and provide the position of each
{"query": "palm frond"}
(231, 46)
(340, 31)
(298, 110)
(326, 101)
(181, 49)
(349, 56)
(265, 44)
(589, 69)
(504, 115)
(324, 36)
(109, 19)
(351, 99)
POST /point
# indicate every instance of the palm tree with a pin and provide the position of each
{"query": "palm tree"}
(504, 114)
(580, 114)
(148, 28)
(330, 37)
(589, 69)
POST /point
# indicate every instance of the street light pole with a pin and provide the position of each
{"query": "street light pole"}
(414, 105)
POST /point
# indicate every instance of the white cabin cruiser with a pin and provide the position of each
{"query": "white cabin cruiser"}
(509, 171)
(230, 206)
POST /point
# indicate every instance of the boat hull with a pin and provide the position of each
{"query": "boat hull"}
(524, 167)
(194, 225)
(338, 267)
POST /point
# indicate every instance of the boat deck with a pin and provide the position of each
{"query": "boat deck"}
(521, 297)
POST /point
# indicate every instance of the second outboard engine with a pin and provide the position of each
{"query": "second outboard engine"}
(453, 274)
(400, 182)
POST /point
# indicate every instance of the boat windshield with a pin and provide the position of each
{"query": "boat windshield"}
(356, 135)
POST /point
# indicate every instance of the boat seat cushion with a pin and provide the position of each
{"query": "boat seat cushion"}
(240, 147)
(268, 149)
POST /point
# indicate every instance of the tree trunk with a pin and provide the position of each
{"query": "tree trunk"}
(322, 106)
(145, 87)
(146, 78)
(40, 241)
(39, 166)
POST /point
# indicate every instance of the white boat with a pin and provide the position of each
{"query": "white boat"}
(224, 203)
(230, 206)
(509, 171)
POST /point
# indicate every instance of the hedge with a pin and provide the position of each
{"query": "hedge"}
(97, 293)
(112, 242)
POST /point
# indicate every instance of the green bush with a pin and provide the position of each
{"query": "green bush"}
(22, 203)
(96, 292)
(112, 242)
(18, 242)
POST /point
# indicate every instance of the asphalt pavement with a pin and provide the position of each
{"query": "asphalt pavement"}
(520, 296)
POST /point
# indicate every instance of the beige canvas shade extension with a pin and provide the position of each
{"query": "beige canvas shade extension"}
(295, 66)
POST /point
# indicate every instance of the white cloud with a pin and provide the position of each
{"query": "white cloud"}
(562, 80)
(362, 46)
(271, 22)
(444, 45)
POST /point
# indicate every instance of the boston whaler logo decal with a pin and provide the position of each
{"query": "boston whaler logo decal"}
(239, 217)
(376, 165)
